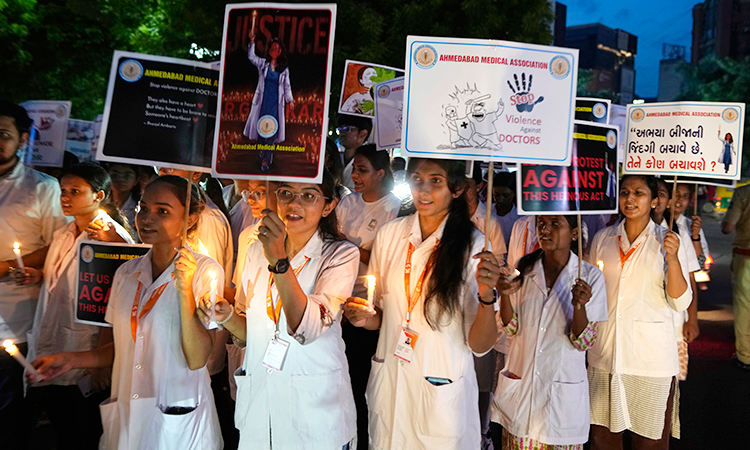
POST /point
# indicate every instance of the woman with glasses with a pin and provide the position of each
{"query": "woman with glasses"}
(293, 388)
(434, 307)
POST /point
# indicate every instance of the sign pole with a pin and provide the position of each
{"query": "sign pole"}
(187, 208)
(695, 200)
(580, 249)
(671, 209)
(488, 215)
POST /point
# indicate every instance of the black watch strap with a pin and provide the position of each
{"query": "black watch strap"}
(494, 300)
(281, 266)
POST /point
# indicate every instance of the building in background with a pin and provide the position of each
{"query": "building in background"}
(559, 21)
(721, 28)
(671, 74)
(610, 55)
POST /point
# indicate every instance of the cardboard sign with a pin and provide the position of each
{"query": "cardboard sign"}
(277, 133)
(480, 99)
(389, 113)
(357, 93)
(706, 181)
(47, 138)
(697, 139)
(590, 185)
(97, 134)
(80, 138)
(593, 109)
(97, 264)
(159, 112)
(618, 116)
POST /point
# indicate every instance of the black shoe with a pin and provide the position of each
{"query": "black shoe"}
(739, 363)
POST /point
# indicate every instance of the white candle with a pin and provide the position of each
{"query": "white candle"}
(102, 215)
(13, 351)
(600, 264)
(19, 260)
(213, 288)
(370, 292)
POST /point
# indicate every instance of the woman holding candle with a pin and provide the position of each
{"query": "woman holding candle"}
(360, 215)
(85, 196)
(542, 393)
(161, 394)
(434, 308)
(633, 363)
(293, 389)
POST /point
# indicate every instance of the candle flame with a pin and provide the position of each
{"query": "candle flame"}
(370, 280)
(7, 343)
(16, 246)
(202, 248)
(600, 264)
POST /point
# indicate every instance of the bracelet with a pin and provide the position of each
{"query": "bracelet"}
(696, 240)
(222, 322)
(494, 300)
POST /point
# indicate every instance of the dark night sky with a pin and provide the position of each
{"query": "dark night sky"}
(655, 22)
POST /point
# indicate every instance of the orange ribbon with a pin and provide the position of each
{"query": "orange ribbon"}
(134, 316)
(412, 299)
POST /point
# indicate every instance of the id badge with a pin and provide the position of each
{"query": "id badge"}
(407, 342)
(276, 354)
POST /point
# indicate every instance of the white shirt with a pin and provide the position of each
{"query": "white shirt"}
(347, 181)
(506, 222)
(240, 216)
(406, 410)
(523, 239)
(639, 338)
(359, 221)
(496, 232)
(215, 234)
(689, 263)
(30, 213)
(308, 405)
(550, 401)
(55, 329)
(151, 374)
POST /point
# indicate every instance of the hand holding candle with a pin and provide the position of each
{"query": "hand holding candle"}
(19, 260)
(13, 351)
(370, 292)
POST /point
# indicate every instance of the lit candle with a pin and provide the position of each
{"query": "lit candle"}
(600, 264)
(514, 275)
(370, 292)
(12, 350)
(19, 260)
(213, 288)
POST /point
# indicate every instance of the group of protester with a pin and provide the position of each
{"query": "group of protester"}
(295, 353)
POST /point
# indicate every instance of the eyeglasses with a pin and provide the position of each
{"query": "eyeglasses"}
(255, 195)
(345, 129)
(286, 196)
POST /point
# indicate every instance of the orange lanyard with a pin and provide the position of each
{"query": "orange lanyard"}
(276, 314)
(625, 256)
(134, 316)
(525, 234)
(412, 299)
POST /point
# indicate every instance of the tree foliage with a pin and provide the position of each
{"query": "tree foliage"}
(62, 49)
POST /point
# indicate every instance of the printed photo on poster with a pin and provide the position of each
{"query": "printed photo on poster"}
(357, 88)
(489, 100)
(593, 109)
(274, 85)
(389, 113)
(97, 263)
(699, 139)
(590, 185)
(47, 141)
(80, 137)
(618, 116)
(159, 112)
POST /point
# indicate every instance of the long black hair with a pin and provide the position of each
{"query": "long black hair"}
(526, 263)
(667, 215)
(379, 160)
(178, 187)
(282, 62)
(443, 298)
(98, 178)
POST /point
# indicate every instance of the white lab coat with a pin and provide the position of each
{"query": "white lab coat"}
(151, 374)
(30, 213)
(550, 401)
(506, 223)
(405, 410)
(55, 329)
(523, 239)
(309, 404)
(497, 242)
(240, 217)
(215, 234)
(285, 96)
(639, 338)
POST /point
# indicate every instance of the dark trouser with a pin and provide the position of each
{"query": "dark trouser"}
(360, 348)
(74, 418)
(15, 418)
(603, 439)
(225, 409)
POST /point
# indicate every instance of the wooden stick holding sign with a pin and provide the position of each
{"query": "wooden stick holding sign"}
(187, 208)
(695, 200)
(671, 209)
(488, 215)
(268, 191)
(580, 250)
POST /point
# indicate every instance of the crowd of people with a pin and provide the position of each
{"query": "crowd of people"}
(514, 342)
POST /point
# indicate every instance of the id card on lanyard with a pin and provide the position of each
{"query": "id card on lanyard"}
(407, 341)
(278, 348)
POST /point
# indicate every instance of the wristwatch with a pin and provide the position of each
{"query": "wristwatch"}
(281, 266)
(494, 298)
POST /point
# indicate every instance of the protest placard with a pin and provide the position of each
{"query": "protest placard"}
(489, 100)
(97, 263)
(159, 112)
(593, 109)
(699, 139)
(708, 181)
(389, 112)
(589, 185)
(80, 138)
(47, 137)
(274, 85)
(618, 116)
(357, 87)
(97, 134)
